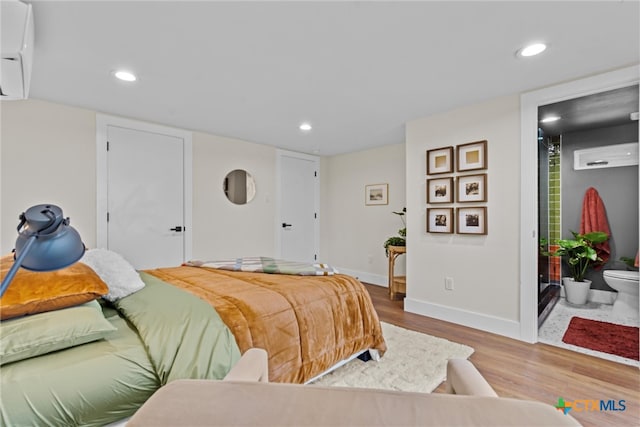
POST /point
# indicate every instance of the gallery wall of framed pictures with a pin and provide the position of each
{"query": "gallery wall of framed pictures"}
(455, 196)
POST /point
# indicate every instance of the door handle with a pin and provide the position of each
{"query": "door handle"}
(177, 228)
(285, 225)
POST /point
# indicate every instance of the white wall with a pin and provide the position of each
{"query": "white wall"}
(485, 269)
(222, 229)
(353, 233)
(48, 155)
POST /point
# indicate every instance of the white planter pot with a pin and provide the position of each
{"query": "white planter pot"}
(577, 292)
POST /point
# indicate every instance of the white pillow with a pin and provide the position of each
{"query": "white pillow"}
(115, 271)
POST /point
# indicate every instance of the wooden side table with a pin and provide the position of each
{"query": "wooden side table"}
(397, 284)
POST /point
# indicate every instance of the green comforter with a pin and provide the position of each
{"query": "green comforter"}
(163, 334)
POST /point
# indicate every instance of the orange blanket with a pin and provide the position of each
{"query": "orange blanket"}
(307, 324)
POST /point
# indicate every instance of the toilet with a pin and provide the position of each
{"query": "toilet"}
(626, 283)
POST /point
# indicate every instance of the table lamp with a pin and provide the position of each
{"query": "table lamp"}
(46, 242)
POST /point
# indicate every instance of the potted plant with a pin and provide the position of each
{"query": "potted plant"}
(580, 254)
(399, 240)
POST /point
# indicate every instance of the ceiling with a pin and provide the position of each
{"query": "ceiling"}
(357, 71)
(604, 109)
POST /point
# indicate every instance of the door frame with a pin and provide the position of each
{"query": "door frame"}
(529, 103)
(278, 217)
(102, 123)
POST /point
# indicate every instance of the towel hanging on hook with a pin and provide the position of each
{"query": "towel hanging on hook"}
(594, 218)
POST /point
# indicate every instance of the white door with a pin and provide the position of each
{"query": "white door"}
(298, 223)
(144, 197)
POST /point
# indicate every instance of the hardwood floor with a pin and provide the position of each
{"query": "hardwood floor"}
(532, 371)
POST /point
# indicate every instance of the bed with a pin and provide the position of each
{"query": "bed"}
(187, 322)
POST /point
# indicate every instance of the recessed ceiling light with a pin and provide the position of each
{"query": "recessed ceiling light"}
(305, 127)
(125, 76)
(532, 49)
(550, 119)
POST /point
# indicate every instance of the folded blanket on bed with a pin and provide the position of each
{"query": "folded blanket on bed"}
(267, 265)
(306, 324)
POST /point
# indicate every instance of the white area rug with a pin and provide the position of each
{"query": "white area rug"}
(413, 362)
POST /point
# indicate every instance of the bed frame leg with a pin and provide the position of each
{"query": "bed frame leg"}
(365, 356)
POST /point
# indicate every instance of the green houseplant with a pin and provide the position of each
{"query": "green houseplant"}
(580, 255)
(399, 240)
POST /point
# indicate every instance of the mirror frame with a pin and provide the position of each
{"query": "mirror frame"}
(237, 190)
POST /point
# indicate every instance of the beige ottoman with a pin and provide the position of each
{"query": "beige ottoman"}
(253, 403)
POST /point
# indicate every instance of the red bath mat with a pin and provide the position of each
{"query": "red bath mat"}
(603, 336)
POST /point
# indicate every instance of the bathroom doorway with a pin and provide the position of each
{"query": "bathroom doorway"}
(595, 123)
(529, 168)
(587, 145)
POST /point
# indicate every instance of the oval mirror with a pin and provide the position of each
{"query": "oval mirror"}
(239, 187)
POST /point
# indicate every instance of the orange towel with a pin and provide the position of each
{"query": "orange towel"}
(594, 218)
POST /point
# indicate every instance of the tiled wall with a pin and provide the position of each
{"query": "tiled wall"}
(555, 224)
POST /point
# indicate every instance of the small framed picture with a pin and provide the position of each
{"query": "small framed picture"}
(471, 156)
(440, 190)
(439, 220)
(440, 160)
(376, 194)
(472, 220)
(472, 188)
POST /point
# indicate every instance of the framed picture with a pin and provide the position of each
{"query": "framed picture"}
(471, 156)
(472, 220)
(439, 220)
(376, 194)
(440, 190)
(440, 160)
(472, 188)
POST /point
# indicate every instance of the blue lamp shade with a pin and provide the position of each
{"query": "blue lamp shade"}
(45, 242)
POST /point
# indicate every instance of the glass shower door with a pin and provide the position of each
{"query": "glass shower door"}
(549, 225)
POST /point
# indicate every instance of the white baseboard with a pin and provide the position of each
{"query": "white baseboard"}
(496, 325)
(374, 279)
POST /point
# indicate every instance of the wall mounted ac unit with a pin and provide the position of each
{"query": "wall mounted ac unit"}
(608, 156)
(16, 47)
